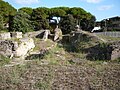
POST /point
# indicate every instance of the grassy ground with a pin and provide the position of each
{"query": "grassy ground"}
(86, 75)
(109, 39)
(61, 69)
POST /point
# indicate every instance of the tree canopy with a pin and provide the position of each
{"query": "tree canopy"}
(67, 24)
(21, 22)
(6, 10)
(40, 17)
(28, 10)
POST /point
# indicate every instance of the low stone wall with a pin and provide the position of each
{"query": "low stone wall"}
(9, 35)
(38, 34)
(16, 34)
(5, 36)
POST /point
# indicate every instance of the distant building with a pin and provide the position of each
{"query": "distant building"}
(111, 24)
(114, 23)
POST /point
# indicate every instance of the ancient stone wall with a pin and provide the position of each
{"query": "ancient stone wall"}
(19, 48)
(6, 47)
(95, 47)
(5, 36)
(104, 51)
(9, 35)
(16, 34)
(115, 50)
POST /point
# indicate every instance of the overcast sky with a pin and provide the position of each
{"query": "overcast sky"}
(100, 8)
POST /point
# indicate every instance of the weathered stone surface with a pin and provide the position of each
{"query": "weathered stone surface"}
(16, 48)
(115, 50)
(6, 47)
(45, 36)
(26, 44)
(58, 34)
(5, 36)
(96, 48)
(37, 34)
(16, 34)
(99, 52)
(105, 51)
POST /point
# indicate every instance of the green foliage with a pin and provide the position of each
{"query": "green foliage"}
(66, 9)
(1, 23)
(67, 24)
(21, 22)
(43, 85)
(27, 10)
(4, 60)
(39, 18)
(78, 13)
(57, 12)
(6, 10)
(87, 24)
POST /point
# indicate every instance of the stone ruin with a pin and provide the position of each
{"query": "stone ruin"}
(105, 51)
(95, 48)
(58, 34)
(115, 53)
(19, 48)
(16, 34)
(9, 35)
(5, 36)
(46, 33)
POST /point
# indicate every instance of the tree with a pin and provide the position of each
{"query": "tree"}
(67, 24)
(57, 12)
(6, 10)
(1, 23)
(39, 19)
(27, 10)
(78, 14)
(6, 14)
(66, 9)
(21, 22)
(88, 24)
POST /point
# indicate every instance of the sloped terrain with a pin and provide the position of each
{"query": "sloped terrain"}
(60, 69)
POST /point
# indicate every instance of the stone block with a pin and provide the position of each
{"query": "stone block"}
(5, 36)
(16, 34)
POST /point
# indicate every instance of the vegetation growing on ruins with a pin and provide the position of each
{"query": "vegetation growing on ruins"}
(78, 62)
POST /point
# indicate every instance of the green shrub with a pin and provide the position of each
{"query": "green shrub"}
(4, 60)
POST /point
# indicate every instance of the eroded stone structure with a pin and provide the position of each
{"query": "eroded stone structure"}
(9, 35)
(16, 34)
(19, 48)
(45, 36)
(58, 34)
(5, 36)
